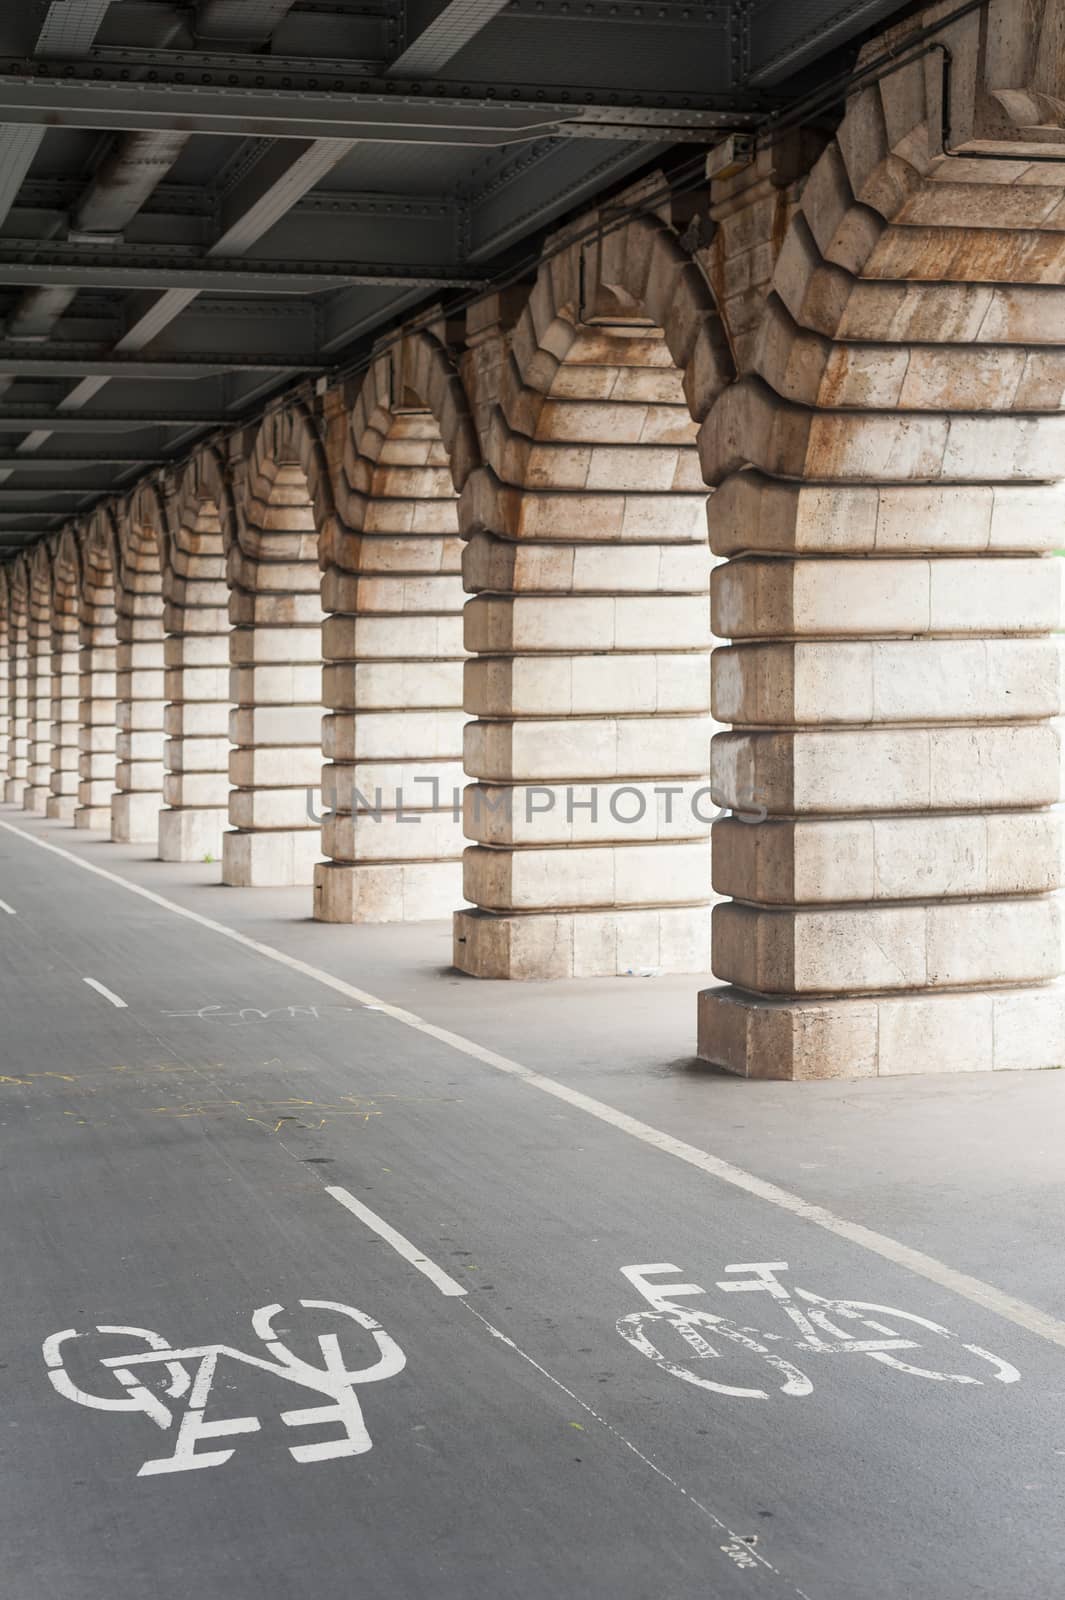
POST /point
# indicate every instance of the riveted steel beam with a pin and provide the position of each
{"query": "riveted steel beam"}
(200, 100)
(28, 261)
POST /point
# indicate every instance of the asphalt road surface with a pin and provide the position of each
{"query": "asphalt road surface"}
(303, 1299)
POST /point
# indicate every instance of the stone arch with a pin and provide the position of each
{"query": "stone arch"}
(280, 504)
(39, 678)
(889, 487)
(140, 523)
(588, 560)
(393, 642)
(97, 672)
(66, 600)
(196, 620)
(18, 615)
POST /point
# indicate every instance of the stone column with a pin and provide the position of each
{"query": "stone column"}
(18, 659)
(275, 682)
(196, 619)
(39, 682)
(889, 471)
(97, 684)
(140, 696)
(590, 626)
(393, 649)
(63, 797)
(5, 677)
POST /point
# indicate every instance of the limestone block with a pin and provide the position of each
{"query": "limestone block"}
(919, 680)
(578, 685)
(754, 598)
(139, 775)
(285, 724)
(393, 735)
(191, 834)
(98, 686)
(195, 685)
(197, 650)
(289, 809)
(139, 655)
(61, 807)
(279, 859)
(409, 891)
(400, 596)
(499, 624)
(141, 745)
(197, 719)
(133, 716)
(94, 815)
(602, 876)
(854, 950)
(388, 638)
(997, 766)
(266, 646)
(209, 790)
(196, 755)
(411, 835)
(379, 685)
(278, 607)
(140, 684)
(271, 765)
(419, 784)
(647, 517)
(889, 858)
(884, 1035)
(135, 818)
(586, 748)
(576, 944)
(583, 813)
(278, 685)
(490, 564)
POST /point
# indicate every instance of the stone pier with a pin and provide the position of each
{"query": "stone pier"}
(196, 622)
(97, 689)
(18, 677)
(39, 682)
(66, 589)
(276, 668)
(888, 471)
(393, 648)
(139, 684)
(590, 625)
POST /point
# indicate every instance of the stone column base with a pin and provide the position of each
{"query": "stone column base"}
(983, 1030)
(188, 833)
(14, 789)
(93, 818)
(135, 818)
(386, 891)
(277, 860)
(61, 807)
(583, 944)
(35, 797)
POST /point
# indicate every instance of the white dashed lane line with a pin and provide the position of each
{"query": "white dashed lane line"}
(108, 994)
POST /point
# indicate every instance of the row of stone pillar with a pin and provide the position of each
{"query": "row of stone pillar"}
(484, 567)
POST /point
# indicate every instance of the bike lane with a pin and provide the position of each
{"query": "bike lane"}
(174, 1178)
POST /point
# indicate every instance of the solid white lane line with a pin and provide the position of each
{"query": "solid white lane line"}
(1007, 1306)
(400, 1244)
(108, 994)
(9, 909)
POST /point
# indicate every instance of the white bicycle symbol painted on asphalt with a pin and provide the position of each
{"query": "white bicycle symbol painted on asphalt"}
(817, 1319)
(132, 1371)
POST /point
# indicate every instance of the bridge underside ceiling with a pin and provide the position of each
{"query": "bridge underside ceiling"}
(202, 203)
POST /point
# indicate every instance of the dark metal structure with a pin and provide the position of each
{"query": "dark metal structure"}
(200, 202)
